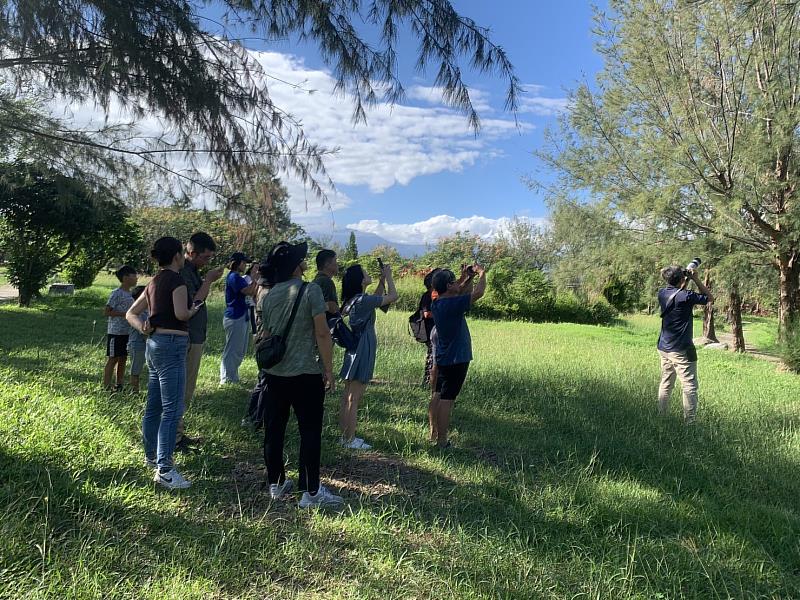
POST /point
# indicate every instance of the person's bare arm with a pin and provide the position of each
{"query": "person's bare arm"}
(208, 280)
(180, 298)
(701, 287)
(133, 318)
(381, 289)
(325, 349)
(332, 307)
(480, 287)
(109, 312)
(391, 296)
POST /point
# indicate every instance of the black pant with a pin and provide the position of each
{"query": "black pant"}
(306, 394)
(258, 399)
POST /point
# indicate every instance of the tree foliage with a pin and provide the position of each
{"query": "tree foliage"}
(46, 217)
(164, 58)
(693, 126)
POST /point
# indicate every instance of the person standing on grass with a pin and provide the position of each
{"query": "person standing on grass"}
(359, 366)
(200, 251)
(453, 342)
(675, 346)
(255, 410)
(424, 310)
(118, 329)
(136, 345)
(168, 303)
(299, 380)
(236, 320)
(327, 268)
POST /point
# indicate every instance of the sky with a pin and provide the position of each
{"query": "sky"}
(416, 171)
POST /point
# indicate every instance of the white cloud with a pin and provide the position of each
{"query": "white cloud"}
(398, 144)
(435, 228)
(433, 95)
(533, 102)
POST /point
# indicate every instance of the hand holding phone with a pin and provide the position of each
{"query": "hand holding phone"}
(198, 303)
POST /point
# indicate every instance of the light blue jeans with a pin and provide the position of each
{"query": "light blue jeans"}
(166, 363)
(237, 337)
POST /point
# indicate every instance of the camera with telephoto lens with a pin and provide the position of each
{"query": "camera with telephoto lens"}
(692, 266)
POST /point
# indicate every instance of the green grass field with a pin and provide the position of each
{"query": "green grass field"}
(563, 483)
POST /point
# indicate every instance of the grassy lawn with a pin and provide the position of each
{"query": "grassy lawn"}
(563, 483)
(3, 276)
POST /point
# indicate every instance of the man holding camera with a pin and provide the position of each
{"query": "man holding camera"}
(678, 354)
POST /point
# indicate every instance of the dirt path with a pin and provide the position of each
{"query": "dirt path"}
(8, 292)
(727, 338)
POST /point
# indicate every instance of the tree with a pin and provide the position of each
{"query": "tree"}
(351, 251)
(163, 58)
(46, 216)
(693, 124)
(260, 205)
(528, 244)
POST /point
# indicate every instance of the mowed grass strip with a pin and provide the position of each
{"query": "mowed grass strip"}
(563, 483)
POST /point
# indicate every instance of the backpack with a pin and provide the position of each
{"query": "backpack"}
(416, 325)
(342, 335)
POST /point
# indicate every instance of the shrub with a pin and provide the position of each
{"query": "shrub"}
(82, 269)
(568, 308)
(601, 311)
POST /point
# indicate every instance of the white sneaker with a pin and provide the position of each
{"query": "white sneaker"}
(355, 444)
(323, 497)
(172, 480)
(277, 491)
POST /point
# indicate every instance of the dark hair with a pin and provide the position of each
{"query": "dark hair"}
(442, 279)
(201, 242)
(267, 275)
(234, 264)
(428, 281)
(673, 275)
(136, 291)
(123, 271)
(352, 283)
(323, 256)
(165, 249)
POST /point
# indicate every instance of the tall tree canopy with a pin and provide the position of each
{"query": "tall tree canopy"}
(164, 57)
(693, 124)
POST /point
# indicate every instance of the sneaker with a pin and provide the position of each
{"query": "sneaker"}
(277, 491)
(172, 480)
(150, 462)
(186, 446)
(323, 497)
(354, 444)
(247, 422)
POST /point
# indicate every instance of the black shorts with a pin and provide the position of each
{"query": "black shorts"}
(450, 380)
(116, 345)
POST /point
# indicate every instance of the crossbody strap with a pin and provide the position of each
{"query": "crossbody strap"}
(294, 310)
(667, 306)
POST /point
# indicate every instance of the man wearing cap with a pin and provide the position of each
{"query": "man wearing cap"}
(235, 321)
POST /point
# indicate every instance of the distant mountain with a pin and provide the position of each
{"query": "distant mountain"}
(366, 242)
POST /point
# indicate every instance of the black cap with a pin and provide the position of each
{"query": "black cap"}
(238, 257)
(284, 257)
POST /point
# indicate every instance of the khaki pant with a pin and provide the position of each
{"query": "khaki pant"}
(677, 364)
(193, 355)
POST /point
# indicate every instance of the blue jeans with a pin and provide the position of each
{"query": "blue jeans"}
(166, 363)
(237, 337)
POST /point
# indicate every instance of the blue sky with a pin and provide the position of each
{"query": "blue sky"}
(404, 184)
(416, 171)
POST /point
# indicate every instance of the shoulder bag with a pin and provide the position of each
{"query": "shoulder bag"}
(271, 350)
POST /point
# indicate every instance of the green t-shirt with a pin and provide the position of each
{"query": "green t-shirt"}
(301, 343)
(328, 288)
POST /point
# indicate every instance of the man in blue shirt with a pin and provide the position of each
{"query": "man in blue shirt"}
(678, 354)
(453, 351)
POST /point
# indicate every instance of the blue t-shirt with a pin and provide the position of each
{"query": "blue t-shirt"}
(676, 326)
(453, 345)
(234, 299)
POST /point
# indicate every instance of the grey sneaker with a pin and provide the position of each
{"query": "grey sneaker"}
(323, 497)
(172, 480)
(277, 491)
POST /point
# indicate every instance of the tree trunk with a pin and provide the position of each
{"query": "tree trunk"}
(789, 271)
(25, 296)
(735, 317)
(709, 329)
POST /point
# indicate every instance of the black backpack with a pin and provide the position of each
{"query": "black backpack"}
(417, 327)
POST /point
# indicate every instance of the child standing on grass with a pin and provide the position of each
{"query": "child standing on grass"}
(118, 329)
(137, 345)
